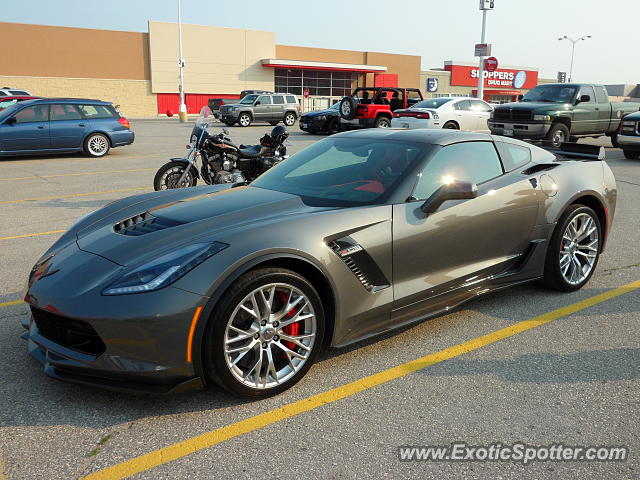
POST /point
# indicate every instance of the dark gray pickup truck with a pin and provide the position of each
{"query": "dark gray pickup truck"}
(560, 112)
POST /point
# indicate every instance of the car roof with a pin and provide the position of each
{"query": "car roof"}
(431, 136)
(68, 100)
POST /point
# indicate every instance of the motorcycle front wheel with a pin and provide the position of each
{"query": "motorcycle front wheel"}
(168, 176)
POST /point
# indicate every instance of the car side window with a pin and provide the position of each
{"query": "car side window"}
(36, 113)
(480, 106)
(64, 112)
(97, 111)
(462, 105)
(588, 90)
(291, 99)
(264, 100)
(474, 162)
(278, 99)
(513, 156)
(601, 95)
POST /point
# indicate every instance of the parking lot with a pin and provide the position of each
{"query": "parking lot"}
(573, 379)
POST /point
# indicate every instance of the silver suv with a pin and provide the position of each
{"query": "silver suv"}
(272, 108)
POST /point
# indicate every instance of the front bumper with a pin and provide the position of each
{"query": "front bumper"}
(313, 124)
(629, 142)
(519, 129)
(231, 116)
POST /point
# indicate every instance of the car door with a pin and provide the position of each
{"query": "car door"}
(480, 111)
(464, 116)
(262, 108)
(464, 240)
(585, 114)
(277, 109)
(603, 107)
(27, 130)
(67, 127)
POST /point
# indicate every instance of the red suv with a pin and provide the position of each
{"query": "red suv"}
(8, 100)
(374, 106)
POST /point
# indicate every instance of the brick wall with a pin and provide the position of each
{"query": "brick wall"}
(133, 96)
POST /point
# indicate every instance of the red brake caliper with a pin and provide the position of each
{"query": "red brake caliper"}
(294, 328)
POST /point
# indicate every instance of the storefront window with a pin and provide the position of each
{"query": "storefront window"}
(324, 83)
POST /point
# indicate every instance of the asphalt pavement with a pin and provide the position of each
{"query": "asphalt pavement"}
(573, 380)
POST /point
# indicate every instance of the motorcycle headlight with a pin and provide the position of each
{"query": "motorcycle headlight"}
(164, 270)
(194, 139)
(541, 118)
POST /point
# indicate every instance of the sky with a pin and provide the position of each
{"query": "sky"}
(522, 32)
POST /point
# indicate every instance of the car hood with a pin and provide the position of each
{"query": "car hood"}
(148, 227)
(529, 106)
(321, 112)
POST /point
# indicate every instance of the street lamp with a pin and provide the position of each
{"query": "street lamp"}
(182, 111)
(573, 48)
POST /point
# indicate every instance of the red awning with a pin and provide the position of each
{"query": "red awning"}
(305, 65)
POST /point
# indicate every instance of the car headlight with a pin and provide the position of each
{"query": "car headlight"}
(322, 118)
(491, 116)
(164, 270)
(233, 108)
(541, 118)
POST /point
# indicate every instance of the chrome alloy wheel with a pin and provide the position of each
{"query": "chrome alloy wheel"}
(270, 335)
(558, 138)
(98, 145)
(579, 248)
(171, 178)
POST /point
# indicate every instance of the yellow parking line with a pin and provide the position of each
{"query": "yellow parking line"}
(32, 234)
(77, 174)
(209, 439)
(9, 304)
(73, 195)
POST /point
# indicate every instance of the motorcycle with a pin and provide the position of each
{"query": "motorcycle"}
(221, 160)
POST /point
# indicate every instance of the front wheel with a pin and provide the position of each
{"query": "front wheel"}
(265, 334)
(274, 123)
(631, 154)
(244, 120)
(96, 145)
(289, 119)
(558, 134)
(574, 249)
(334, 126)
(168, 176)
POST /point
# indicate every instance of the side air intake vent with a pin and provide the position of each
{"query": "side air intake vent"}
(360, 263)
(142, 224)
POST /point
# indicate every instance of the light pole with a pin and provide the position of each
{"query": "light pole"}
(573, 48)
(182, 111)
(485, 5)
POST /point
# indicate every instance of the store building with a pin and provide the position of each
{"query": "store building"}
(460, 79)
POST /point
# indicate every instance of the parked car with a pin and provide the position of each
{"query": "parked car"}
(455, 113)
(560, 112)
(374, 106)
(321, 121)
(9, 92)
(272, 108)
(357, 234)
(628, 138)
(62, 125)
(244, 93)
(10, 100)
(215, 103)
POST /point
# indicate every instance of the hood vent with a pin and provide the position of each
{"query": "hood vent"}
(360, 263)
(142, 224)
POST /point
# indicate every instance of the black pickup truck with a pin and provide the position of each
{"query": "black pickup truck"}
(561, 112)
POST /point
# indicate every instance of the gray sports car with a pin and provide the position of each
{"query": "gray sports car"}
(357, 234)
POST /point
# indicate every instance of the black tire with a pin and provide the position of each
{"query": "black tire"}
(168, 175)
(289, 119)
(244, 119)
(348, 108)
(214, 362)
(274, 123)
(382, 122)
(553, 277)
(614, 141)
(333, 126)
(97, 145)
(558, 134)
(451, 126)
(631, 154)
(229, 124)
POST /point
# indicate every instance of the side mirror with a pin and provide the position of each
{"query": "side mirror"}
(257, 103)
(584, 98)
(520, 97)
(11, 121)
(225, 131)
(449, 191)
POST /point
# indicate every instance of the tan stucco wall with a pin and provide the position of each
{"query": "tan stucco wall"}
(39, 50)
(133, 96)
(218, 60)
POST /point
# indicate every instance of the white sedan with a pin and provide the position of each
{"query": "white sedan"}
(457, 113)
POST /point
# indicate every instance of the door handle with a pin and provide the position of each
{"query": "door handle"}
(41, 127)
(81, 124)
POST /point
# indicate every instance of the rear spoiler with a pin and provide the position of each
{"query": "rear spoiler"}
(577, 151)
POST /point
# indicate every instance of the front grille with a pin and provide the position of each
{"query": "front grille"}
(75, 334)
(142, 224)
(510, 114)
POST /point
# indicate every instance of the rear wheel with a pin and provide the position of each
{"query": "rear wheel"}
(574, 249)
(265, 333)
(558, 134)
(289, 119)
(451, 126)
(168, 176)
(382, 122)
(244, 120)
(96, 145)
(631, 154)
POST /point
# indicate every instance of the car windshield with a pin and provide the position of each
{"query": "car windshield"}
(248, 99)
(9, 110)
(335, 106)
(344, 171)
(6, 103)
(432, 103)
(550, 93)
